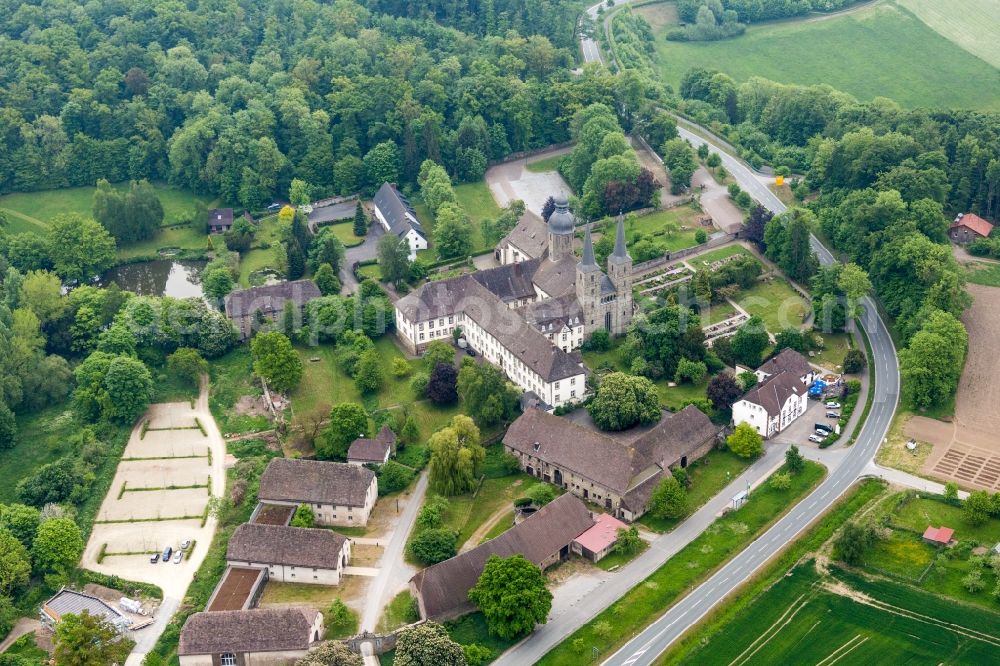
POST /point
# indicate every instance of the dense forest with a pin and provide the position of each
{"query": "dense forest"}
(238, 97)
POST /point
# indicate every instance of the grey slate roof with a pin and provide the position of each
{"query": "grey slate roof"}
(607, 461)
(530, 236)
(511, 281)
(270, 299)
(220, 217)
(254, 630)
(65, 602)
(554, 313)
(372, 450)
(314, 482)
(787, 360)
(290, 546)
(444, 587)
(588, 264)
(772, 393)
(556, 278)
(397, 210)
(620, 253)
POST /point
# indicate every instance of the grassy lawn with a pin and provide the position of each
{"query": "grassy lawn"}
(232, 378)
(324, 383)
(893, 54)
(477, 202)
(903, 554)
(183, 237)
(400, 611)
(616, 559)
(673, 397)
(41, 439)
(717, 312)
(984, 273)
(43, 206)
(836, 346)
(544, 165)
(917, 514)
(776, 303)
(708, 475)
(259, 258)
(345, 232)
(502, 525)
(168, 387)
(703, 260)
(692, 564)
(467, 513)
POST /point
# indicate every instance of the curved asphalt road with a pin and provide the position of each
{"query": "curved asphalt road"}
(647, 646)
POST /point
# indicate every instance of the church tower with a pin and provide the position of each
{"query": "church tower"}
(561, 227)
(620, 272)
(589, 279)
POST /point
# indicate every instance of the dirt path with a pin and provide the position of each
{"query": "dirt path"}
(27, 218)
(24, 625)
(485, 528)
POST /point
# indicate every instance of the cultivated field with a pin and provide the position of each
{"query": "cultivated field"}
(806, 618)
(882, 50)
(967, 449)
(972, 24)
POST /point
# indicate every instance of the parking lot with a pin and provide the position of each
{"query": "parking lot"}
(159, 497)
(798, 433)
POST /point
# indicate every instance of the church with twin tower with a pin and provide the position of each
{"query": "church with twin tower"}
(531, 313)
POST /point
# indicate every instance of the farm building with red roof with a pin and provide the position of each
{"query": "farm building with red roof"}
(969, 227)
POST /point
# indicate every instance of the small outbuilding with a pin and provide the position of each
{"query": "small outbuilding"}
(339, 494)
(291, 554)
(364, 451)
(599, 540)
(969, 227)
(67, 602)
(939, 536)
(259, 636)
(220, 220)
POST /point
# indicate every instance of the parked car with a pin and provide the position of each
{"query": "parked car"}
(274, 208)
(470, 351)
(178, 556)
(185, 544)
(833, 404)
(167, 552)
(154, 558)
(822, 428)
(832, 415)
(816, 438)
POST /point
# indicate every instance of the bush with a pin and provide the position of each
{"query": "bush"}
(433, 545)
(781, 481)
(855, 361)
(393, 477)
(304, 516)
(400, 368)
(419, 385)
(541, 494)
(599, 340)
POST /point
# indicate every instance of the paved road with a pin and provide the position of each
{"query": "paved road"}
(655, 639)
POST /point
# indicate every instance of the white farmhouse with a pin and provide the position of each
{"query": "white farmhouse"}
(780, 397)
(394, 212)
(290, 554)
(339, 494)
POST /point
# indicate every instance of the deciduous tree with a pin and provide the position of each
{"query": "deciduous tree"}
(275, 360)
(57, 547)
(79, 247)
(442, 385)
(623, 401)
(394, 258)
(669, 500)
(348, 421)
(456, 457)
(433, 545)
(511, 593)
(745, 441)
(89, 640)
(15, 565)
(427, 644)
(723, 390)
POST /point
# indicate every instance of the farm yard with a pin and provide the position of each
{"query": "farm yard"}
(892, 53)
(809, 618)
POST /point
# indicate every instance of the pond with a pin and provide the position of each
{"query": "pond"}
(162, 277)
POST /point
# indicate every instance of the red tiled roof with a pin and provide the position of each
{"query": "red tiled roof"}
(974, 222)
(604, 533)
(938, 534)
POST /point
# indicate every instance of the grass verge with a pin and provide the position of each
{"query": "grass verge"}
(691, 565)
(693, 641)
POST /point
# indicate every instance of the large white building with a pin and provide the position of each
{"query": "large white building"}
(529, 315)
(780, 397)
(396, 216)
